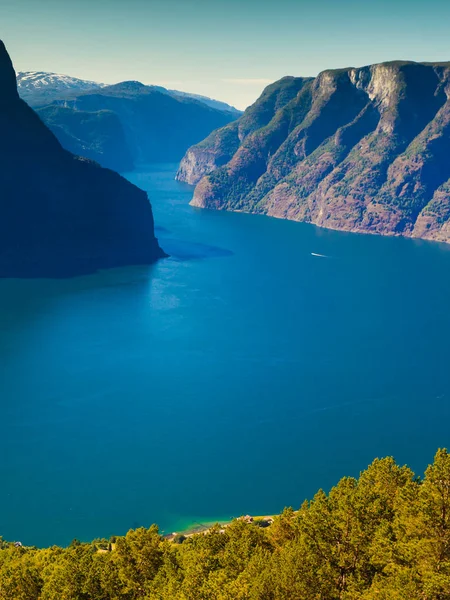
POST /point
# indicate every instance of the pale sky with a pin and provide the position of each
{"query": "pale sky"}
(229, 50)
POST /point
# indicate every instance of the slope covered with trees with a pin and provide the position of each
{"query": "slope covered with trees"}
(383, 536)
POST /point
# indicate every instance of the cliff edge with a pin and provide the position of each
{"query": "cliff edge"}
(62, 215)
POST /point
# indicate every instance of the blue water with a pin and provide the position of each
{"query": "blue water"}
(237, 376)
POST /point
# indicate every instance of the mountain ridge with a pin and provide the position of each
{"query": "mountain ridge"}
(31, 83)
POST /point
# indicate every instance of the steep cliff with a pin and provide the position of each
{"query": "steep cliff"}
(363, 150)
(61, 215)
(221, 145)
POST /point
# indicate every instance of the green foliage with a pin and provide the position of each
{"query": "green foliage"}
(383, 536)
(179, 538)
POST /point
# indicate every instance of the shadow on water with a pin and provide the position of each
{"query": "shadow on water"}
(159, 230)
(24, 302)
(183, 250)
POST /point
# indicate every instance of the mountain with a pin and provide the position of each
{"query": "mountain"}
(61, 215)
(158, 126)
(358, 149)
(38, 87)
(96, 135)
(124, 124)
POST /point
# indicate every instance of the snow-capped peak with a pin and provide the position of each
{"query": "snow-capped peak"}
(40, 80)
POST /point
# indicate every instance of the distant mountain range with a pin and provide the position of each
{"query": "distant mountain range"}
(62, 215)
(125, 124)
(359, 149)
(39, 87)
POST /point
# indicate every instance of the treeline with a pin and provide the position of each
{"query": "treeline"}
(384, 536)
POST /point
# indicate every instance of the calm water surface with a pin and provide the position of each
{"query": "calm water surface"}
(238, 376)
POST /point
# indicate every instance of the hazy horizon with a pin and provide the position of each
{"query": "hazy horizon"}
(224, 50)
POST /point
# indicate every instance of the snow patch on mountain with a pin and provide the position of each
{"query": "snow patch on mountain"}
(35, 80)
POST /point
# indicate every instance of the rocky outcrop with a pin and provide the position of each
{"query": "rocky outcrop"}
(61, 215)
(221, 145)
(363, 150)
(215, 151)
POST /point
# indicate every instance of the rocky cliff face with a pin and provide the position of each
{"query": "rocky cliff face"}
(61, 215)
(221, 145)
(363, 150)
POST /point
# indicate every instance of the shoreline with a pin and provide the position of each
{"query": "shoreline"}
(197, 528)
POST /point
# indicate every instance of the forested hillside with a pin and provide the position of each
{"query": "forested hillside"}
(384, 536)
